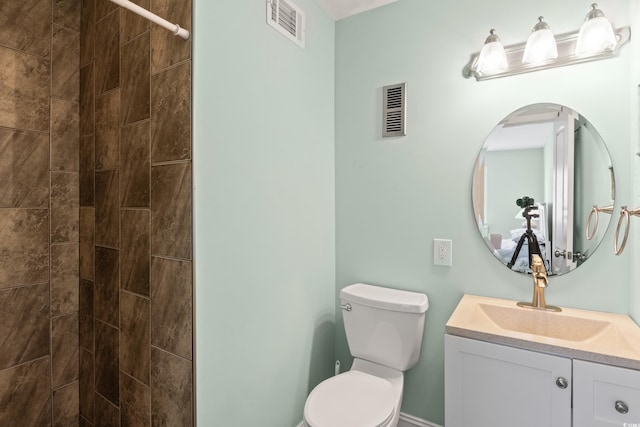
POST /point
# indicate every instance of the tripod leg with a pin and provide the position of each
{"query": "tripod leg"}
(517, 252)
(534, 247)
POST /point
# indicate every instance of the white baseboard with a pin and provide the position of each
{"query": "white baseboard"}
(405, 421)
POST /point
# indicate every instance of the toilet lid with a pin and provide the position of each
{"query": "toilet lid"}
(352, 399)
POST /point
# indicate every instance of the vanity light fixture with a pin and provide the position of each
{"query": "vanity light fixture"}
(596, 33)
(591, 43)
(492, 56)
(541, 44)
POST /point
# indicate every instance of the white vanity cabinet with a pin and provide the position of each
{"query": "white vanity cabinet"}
(506, 365)
(491, 385)
(605, 396)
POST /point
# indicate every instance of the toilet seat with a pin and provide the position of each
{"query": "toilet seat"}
(351, 399)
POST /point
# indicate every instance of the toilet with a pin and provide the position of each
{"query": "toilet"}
(384, 330)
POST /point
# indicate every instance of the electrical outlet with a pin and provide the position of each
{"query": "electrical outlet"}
(442, 252)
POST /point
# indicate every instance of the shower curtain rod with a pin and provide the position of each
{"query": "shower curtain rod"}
(174, 28)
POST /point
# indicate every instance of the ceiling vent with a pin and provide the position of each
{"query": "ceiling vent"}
(394, 114)
(288, 19)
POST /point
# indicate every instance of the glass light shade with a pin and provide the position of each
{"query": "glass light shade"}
(492, 58)
(541, 46)
(595, 36)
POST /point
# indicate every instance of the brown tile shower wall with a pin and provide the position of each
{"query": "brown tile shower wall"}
(39, 128)
(135, 217)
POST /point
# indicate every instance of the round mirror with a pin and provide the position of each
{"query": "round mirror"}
(543, 183)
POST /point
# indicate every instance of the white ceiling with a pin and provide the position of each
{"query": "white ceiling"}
(530, 127)
(520, 137)
(339, 9)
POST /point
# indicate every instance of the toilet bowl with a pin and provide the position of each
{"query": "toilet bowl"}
(384, 330)
(365, 396)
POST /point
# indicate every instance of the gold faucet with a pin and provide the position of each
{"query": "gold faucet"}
(540, 282)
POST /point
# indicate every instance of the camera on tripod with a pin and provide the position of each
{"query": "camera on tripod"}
(525, 202)
(528, 205)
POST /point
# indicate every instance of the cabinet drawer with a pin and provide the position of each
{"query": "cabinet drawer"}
(605, 396)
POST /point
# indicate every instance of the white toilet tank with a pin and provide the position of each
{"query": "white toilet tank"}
(384, 325)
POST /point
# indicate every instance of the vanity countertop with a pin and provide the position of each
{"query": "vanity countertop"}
(595, 336)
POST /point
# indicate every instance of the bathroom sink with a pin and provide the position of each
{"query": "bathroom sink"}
(584, 334)
(543, 323)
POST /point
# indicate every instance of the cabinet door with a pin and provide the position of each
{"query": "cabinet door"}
(491, 385)
(605, 396)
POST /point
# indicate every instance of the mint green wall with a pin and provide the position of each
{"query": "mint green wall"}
(394, 196)
(634, 146)
(264, 213)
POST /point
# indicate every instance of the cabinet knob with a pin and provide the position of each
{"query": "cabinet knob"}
(621, 407)
(562, 382)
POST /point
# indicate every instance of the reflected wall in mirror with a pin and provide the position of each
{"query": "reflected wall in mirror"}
(541, 182)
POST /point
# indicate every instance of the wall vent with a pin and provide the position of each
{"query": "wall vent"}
(287, 19)
(394, 110)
